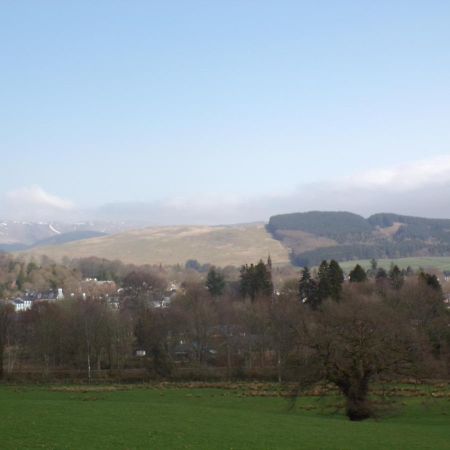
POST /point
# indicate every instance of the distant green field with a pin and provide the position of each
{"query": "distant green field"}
(438, 262)
(145, 418)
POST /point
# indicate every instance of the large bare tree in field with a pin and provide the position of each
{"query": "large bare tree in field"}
(355, 343)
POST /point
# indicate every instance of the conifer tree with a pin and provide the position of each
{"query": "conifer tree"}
(246, 287)
(373, 267)
(215, 282)
(358, 275)
(269, 263)
(324, 281)
(263, 279)
(396, 277)
(430, 280)
(256, 280)
(381, 274)
(336, 279)
(20, 281)
(309, 289)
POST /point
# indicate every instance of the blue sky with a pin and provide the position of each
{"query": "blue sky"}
(126, 101)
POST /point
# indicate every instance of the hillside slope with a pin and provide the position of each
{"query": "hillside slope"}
(64, 238)
(16, 235)
(314, 236)
(224, 245)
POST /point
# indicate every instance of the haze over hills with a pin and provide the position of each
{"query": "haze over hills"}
(299, 238)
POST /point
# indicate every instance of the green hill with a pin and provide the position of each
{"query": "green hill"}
(314, 236)
(300, 238)
(334, 225)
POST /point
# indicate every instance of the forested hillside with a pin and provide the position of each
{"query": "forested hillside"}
(314, 236)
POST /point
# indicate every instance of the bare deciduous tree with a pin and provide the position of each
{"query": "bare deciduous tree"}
(354, 343)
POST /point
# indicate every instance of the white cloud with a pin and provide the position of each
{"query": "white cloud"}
(36, 196)
(34, 203)
(419, 188)
(405, 177)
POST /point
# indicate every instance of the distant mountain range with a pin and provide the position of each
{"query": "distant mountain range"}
(17, 235)
(302, 238)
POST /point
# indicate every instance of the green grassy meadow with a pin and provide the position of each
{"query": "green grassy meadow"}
(180, 418)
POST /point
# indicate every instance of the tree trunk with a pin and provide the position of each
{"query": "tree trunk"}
(358, 409)
(89, 366)
(46, 364)
(279, 366)
(12, 355)
(356, 392)
(228, 362)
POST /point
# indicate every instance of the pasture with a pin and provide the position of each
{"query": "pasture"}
(168, 417)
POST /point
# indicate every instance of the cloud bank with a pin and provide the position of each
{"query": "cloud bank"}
(420, 188)
(33, 203)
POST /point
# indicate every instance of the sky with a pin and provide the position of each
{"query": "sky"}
(223, 111)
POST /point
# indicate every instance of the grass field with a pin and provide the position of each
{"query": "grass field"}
(180, 418)
(222, 246)
(436, 262)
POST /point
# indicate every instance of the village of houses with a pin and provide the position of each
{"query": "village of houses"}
(91, 288)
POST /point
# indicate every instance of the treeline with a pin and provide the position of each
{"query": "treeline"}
(378, 250)
(320, 327)
(19, 275)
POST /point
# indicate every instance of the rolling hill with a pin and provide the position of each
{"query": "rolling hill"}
(220, 245)
(298, 238)
(314, 236)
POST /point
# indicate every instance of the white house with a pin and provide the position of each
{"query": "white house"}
(21, 304)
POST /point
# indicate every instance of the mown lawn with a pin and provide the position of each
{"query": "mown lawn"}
(169, 418)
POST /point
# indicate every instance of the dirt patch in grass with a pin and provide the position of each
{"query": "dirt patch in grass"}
(264, 389)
